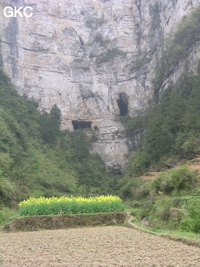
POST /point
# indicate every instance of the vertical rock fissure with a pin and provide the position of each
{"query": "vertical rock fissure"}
(11, 38)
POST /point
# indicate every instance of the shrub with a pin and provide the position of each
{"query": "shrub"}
(94, 23)
(175, 180)
(146, 208)
(136, 212)
(180, 213)
(130, 188)
(144, 190)
(7, 214)
(136, 204)
(109, 55)
(138, 64)
(161, 209)
(7, 189)
(99, 39)
(183, 178)
(192, 222)
(140, 160)
(162, 184)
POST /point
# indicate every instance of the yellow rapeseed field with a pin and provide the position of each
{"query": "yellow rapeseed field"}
(69, 205)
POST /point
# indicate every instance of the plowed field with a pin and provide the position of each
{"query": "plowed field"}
(99, 246)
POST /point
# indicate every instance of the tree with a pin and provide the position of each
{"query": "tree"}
(50, 125)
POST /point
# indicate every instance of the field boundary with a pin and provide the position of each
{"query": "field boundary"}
(35, 223)
(183, 240)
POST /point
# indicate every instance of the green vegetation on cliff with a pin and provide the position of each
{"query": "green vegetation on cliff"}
(176, 48)
(37, 159)
(169, 129)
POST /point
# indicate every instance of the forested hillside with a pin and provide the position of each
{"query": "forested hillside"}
(169, 136)
(169, 129)
(37, 159)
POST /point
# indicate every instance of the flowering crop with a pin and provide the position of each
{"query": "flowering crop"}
(69, 205)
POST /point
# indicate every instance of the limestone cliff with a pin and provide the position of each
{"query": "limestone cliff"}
(95, 59)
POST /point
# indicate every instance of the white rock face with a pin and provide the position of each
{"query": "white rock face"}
(82, 56)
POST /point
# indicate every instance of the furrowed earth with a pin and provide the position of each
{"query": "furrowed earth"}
(91, 247)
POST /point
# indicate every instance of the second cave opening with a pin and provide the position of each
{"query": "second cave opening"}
(122, 103)
(81, 124)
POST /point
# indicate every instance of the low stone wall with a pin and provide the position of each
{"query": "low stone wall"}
(35, 223)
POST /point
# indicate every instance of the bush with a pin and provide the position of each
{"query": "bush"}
(7, 190)
(144, 190)
(99, 39)
(161, 208)
(137, 212)
(162, 184)
(192, 222)
(179, 213)
(146, 207)
(139, 162)
(183, 178)
(7, 214)
(129, 188)
(94, 23)
(136, 204)
(175, 180)
(109, 55)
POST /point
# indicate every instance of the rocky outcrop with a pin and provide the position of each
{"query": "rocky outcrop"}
(95, 59)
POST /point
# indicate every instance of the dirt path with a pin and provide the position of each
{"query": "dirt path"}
(99, 246)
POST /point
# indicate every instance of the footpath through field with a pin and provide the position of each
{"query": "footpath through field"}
(92, 247)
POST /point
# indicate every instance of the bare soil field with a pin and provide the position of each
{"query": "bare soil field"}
(92, 247)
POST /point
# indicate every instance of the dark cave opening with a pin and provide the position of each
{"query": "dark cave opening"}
(122, 102)
(81, 124)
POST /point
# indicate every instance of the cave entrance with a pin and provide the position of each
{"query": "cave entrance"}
(122, 102)
(81, 124)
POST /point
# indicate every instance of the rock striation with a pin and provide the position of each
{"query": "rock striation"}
(94, 59)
